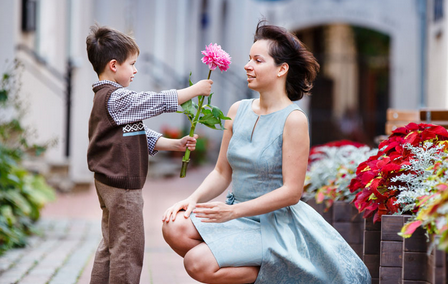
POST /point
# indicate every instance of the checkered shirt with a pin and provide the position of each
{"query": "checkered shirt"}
(126, 106)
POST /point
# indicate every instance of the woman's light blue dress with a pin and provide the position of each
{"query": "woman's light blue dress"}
(293, 244)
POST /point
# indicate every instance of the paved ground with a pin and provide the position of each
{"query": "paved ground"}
(70, 231)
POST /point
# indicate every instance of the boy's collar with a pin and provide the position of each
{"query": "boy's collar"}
(103, 82)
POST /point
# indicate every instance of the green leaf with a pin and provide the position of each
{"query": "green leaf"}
(189, 80)
(13, 178)
(39, 150)
(3, 96)
(19, 201)
(210, 99)
(219, 114)
(210, 121)
(206, 111)
(7, 212)
(189, 108)
(212, 126)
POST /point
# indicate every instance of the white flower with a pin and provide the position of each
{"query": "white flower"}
(417, 181)
(336, 166)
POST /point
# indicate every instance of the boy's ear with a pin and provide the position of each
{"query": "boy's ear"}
(112, 65)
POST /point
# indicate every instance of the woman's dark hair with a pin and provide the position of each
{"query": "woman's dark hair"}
(287, 48)
(104, 44)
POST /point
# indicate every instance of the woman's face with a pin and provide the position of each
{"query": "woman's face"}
(261, 69)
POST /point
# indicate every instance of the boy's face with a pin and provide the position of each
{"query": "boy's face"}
(126, 71)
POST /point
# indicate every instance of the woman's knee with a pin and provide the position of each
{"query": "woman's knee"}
(200, 263)
(170, 231)
(176, 230)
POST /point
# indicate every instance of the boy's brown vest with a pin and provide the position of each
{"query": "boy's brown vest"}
(117, 154)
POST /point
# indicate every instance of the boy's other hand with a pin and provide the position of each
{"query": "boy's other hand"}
(187, 142)
(204, 87)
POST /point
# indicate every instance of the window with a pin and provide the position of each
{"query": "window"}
(29, 12)
(438, 10)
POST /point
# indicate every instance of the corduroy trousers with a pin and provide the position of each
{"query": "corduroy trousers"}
(119, 257)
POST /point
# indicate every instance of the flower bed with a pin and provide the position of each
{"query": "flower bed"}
(407, 176)
(386, 182)
(406, 182)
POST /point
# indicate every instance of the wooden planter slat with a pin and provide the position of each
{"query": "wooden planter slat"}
(390, 275)
(372, 261)
(441, 267)
(346, 212)
(372, 241)
(349, 223)
(391, 254)
(390, 228)
(418, 266)
(404, 260)
(351, 232)
(415, 282)
(371, 248)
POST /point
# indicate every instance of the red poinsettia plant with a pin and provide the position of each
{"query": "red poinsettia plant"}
(316, 150)
(376, 178)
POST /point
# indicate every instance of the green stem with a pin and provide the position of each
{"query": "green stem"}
(186, 158)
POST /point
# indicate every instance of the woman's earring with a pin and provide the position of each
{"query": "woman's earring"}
(278, 75)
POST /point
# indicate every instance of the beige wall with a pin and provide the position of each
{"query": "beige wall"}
(437, 60)
(342, 69)
(170, 30)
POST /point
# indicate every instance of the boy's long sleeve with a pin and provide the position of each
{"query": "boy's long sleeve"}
(152, 137)
(126, 106)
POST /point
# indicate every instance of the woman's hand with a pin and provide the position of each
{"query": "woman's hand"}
(214, 212)
(170, 213)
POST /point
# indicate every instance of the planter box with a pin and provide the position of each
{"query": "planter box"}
(441, 267)
(371, 248)
(349, 223)
(404, 260)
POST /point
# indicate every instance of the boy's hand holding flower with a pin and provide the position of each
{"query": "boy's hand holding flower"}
(203, 87)
(188, 142)
(206, 114)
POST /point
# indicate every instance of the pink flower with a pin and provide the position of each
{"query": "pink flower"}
(214, 57)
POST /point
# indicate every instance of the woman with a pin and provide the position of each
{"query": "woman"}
(263, 233)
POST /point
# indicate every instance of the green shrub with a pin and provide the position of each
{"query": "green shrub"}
(22, 194)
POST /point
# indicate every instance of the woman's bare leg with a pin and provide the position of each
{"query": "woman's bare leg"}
(181, 234)
(202, 266)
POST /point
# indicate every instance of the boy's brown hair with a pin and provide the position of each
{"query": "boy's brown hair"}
(105, 44)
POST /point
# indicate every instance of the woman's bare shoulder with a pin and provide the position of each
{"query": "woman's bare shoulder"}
(296, 119)
(233, 109)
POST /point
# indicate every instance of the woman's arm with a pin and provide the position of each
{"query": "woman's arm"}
(295, 158)
(216, 182)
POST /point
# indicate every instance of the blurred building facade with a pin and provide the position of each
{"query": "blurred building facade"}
(48, 37)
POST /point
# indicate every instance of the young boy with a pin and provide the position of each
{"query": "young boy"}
(119, 144)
